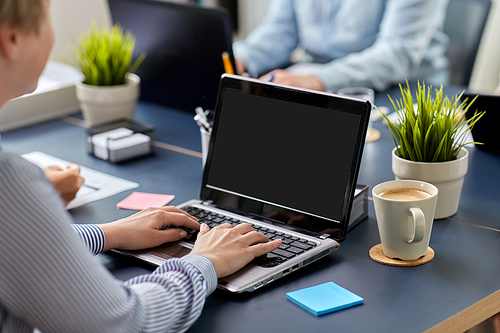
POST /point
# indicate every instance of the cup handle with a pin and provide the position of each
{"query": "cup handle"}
(417, 231)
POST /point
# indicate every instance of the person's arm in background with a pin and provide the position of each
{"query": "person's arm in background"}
(406, 31)
(270, 45)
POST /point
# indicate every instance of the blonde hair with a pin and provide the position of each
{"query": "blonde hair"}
(23, 14)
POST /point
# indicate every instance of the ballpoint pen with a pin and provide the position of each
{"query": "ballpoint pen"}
(228, 67)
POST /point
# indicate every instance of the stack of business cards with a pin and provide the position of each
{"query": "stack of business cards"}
(120, 144)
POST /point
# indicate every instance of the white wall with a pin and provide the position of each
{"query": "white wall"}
(250, 14)
(485, 75)
(70, 18)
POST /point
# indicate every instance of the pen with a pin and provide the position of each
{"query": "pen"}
(228, 67)
(271, 78)
(253, 75)
(91, 187)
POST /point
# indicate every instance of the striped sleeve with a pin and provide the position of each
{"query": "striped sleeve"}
(49, 280)
(92, 236)
(187, 282)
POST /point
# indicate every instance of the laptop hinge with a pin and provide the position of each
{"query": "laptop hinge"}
(208, 202)
(324, 236)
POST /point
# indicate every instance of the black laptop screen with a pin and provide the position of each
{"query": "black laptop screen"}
(283, 159)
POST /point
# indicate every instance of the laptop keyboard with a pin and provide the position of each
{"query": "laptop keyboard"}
(291, 245)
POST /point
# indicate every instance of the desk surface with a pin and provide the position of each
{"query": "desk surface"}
(396, 299)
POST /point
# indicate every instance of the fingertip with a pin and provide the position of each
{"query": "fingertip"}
(204, 227)
(182, 234)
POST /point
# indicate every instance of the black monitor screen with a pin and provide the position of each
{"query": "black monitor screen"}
(183, 43)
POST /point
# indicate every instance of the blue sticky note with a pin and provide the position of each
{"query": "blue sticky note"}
(324, 298)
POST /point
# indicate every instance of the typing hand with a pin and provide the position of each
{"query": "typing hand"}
(148, 228)
(66, 182)
(230, 248)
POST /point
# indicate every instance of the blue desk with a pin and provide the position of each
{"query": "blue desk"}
(461, 282)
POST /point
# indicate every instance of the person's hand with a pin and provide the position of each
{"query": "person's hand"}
(284, 77)
(146, 228)
(66, 182)
(240, 66)
(230, 248)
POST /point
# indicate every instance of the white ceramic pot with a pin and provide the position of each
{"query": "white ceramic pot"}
(100, 104)
(448, 177)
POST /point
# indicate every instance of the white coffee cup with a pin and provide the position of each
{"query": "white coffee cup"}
(405, 214)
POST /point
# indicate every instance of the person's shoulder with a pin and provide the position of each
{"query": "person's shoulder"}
(13, 166)
(26, 181)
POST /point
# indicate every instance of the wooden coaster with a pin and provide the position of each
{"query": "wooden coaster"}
(374, 135)
(379, 256)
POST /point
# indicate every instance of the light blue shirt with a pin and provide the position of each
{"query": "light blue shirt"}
(370, 43)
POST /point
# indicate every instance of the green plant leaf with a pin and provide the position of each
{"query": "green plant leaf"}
(434, 131)
(104, 56)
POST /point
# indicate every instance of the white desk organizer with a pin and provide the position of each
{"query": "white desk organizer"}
(121, 140)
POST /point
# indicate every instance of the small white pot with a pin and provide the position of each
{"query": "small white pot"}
(448, 177)
(100, 104)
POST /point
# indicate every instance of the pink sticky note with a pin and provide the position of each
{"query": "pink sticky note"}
(140, 201)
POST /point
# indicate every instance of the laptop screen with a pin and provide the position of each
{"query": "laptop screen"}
(285, 154)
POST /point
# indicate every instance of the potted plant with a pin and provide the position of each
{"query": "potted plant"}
(430, 136)
(110, 90)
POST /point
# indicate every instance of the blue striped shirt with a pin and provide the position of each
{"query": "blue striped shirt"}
(50, 280)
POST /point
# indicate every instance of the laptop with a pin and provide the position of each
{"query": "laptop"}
(284, 160)
(183, 43)
(486, 129)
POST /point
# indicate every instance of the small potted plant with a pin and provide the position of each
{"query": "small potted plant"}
(430, 134)
(110, 90)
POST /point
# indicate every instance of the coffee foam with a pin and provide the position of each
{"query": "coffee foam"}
(405, 194)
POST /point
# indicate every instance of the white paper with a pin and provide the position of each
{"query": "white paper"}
(97, 185)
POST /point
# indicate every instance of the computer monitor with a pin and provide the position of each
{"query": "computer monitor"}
(184, 45)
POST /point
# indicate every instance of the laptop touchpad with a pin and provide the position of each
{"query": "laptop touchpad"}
(171, 250)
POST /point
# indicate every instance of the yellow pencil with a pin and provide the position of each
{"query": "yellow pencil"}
(228, 67)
